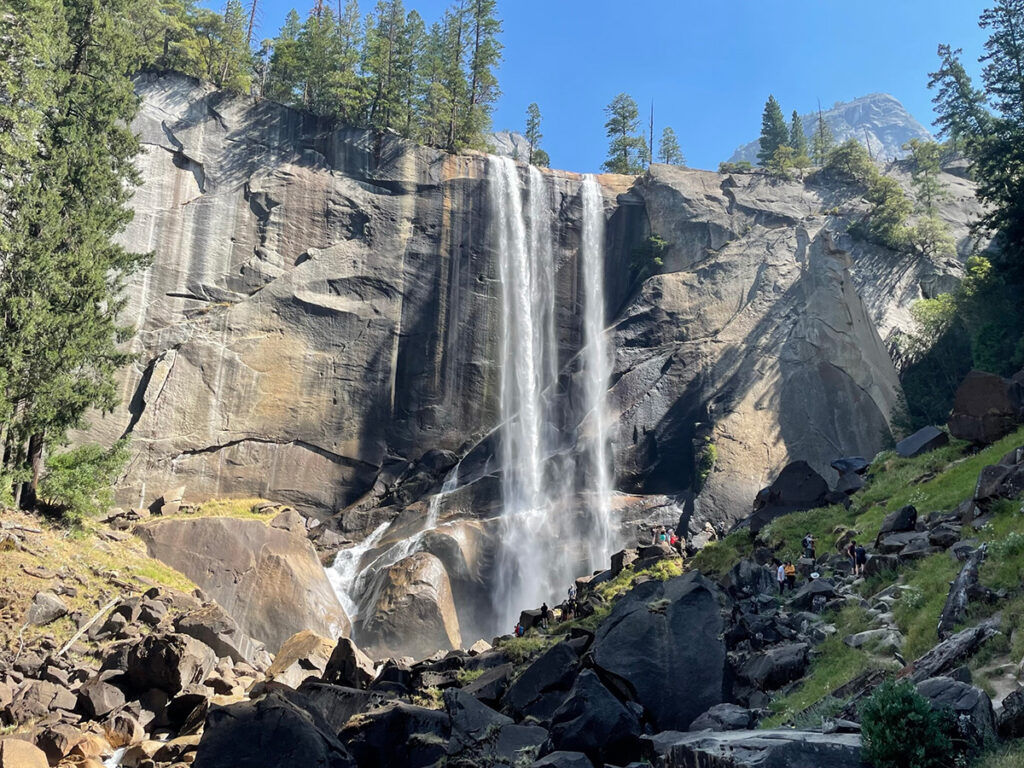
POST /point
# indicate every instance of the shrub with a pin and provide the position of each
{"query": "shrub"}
(901, 730)
(79, 483)
(706, 462)
(851, 163)
(743, 166)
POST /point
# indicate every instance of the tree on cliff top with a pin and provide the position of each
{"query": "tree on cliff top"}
(823, 141)
(668, 148)
(773, 131)
(533, 134)
(61, 273)
(627, 152)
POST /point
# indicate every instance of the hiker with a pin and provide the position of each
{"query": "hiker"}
(662, 535)
(672, 538)
(860, 560)
(780, 574)
(851, 552)
(545, 612)
(808, 545)
(518, 631)
(572, 593)
(790, 570)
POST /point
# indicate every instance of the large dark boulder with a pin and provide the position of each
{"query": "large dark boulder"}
(213, 626)
(349, 666)
(986, 407)
(168, 662)
(747, 579)
(725, 717)
(596, 723)
(924, 440)
(544, 685)
(971, 706)
(902, 520)
(662, 637)
(481, 736)
(797, 487)
(804, 598)
(563, 760)
(960, 593)
(269, 732)
(783, 748)
(336, 704)
(398, 734)
(775, 667)
(1010, 721)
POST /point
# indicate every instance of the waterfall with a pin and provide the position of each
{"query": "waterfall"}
(596, 373)
(345, 570)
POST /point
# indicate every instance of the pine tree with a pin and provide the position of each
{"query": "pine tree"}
(925, 164)
(627, 152)
(484, 55)
(455, 40)
(434, 100)
(286, 76)
(959, 105)
(62, 272)
(773, 131)
(381, 55)
(319, 52)
(668, 148)
(533, 134)
(797, 139)
(823, 141)
(1004, 57)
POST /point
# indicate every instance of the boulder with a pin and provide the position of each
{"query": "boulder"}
(804, 599)
(334, 703)
(348, 666)
(481, 736)
(15, 753)
(213, 626)
(268, 580)
(37, 699)
(775, 667)
(491, 685)
(747, 579)
(168, 662)
(665, 636)
(304, 654)
(563, 760)
(877, 564)
(924, 440)
(46, 607)
(972, 707)
(591, 720)
(797, 487)
(882, 640)
(57, 740)
(850, 465)
(960, 591)
(413, 612)
(724, 717)
(169, 502)
(902, 520)
(783, 748)
(1010, 720)
(985, 408)
(97, 698)
(250, 733)
(544, 685)
(895, 543)
(122, 729)
(398, 734)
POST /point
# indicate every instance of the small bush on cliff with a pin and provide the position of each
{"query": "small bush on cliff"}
(901, 730)
(78, 483)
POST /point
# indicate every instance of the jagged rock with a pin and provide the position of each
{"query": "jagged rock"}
(883, 640)
(850, 464)
(944, 535)
(563, 760)
(775, 667)
(46, 607)
(623, 559)
(167, 662)
(398, 734)
(591, 720)
(544, 685)
(348, 666)
(38, 698)
(169, 502)
(797, 487)
(15, 753)
(214, 627)
(414, 610)
(267, 579)
(303, 655)
(818, 588)
(57, 741)
(1010, 719)
(849, 483)
(747, 579)
(877, 564)
(249, 733)
(924, 440)
(491, 685)
(481, 736)
(971, 706)
(955, 609)
(724, 717)
(895, 543)
(480, 646)
(944, 657)
(756, 749)
(902, 520)
(665, 636)
(97, 698)
(985, 408)
(123, 729)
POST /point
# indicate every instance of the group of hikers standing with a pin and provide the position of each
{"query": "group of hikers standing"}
(662, 535)
(569, 609)
(785, 573)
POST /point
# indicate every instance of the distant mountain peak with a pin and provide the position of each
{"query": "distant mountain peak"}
(877, 119)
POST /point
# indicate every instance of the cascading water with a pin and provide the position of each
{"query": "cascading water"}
(596, 371)
(345, 570)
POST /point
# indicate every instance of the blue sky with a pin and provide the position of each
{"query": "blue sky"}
(709, 65)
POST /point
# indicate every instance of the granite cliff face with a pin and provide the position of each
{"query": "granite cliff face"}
(321, 326)
(878, 120)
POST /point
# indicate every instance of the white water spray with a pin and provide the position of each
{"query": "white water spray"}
(596, 373)
(345, 570)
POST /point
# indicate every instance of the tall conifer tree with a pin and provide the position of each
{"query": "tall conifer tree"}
(773, 131)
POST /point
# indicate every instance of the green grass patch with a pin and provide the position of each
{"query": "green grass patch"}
(663, 570)
(1004, 566)
(826, 524)
(467, 676)
(520, 649)
(917, 609)
(1008, 756)
(718, 557)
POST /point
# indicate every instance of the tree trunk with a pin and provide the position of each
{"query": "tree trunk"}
(35, 457)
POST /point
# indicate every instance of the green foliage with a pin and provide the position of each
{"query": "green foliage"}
(705, 462)
(925, 163)
(743, 166)
(668, 148)
(823, 141)
(79, 483)
(533, 135)
(773, 132)
(850, 163)
(900, 730)
(1006, 756)
(521, 649)
(647, 257)
(917, 610)
(718, 557)
(627, 152)
(959, 105)
(540, 159)
(782, 162)
(886, 223)
(797, 139)
(467, 676)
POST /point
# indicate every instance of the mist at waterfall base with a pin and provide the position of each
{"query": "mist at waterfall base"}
(556, 483)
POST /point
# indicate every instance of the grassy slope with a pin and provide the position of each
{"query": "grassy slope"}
(936, 481)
